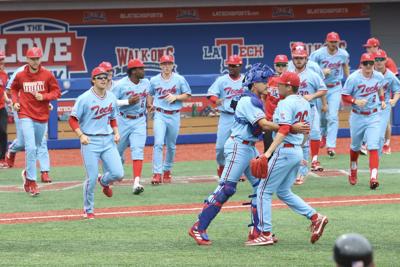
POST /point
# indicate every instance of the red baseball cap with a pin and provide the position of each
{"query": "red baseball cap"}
(2, 54)
(34, 52)
(98, 70)
(380, 54)
(135, 63)
(299, 51)
(289, 78)
(281, 59)
(167, 59)
(367, 57)
(106, 65)
(372, 42)
(333, 37)
(234, 60)
(294, 45)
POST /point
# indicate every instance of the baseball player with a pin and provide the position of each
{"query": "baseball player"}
(334, 62)
(221, 93)
(273, 97)
(312, 87)
(285, 162)
(310, 64)
(363, 90)
(352, 250)
(18, 144)
(94, 120)
(3, 112)
(239, 150)
(372, 46)
(32, 90)
(168, 90)
(133, 91)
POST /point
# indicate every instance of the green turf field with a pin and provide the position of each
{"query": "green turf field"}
(163, 240)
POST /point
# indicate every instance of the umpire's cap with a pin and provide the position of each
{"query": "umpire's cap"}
(352, 250)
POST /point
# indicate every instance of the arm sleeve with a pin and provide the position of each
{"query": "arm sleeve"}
(348, 99)
(54, 90)
(284, 129)
(73, 122)
(213, 99)
(113, 123)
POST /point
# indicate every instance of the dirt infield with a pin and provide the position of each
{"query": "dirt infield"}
(72, 157)
(164, 210)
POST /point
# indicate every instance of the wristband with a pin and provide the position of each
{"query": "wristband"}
(382, 98)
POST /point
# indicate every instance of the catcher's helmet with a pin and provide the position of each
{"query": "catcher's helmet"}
(352, 250)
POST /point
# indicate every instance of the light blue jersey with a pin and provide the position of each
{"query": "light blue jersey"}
(11, 80)
(125, 88)
(246, 116)
(310, 83)
(390, 84)
(160, 88)
(310, 65)
(291, 110)
(333, 62)
(226, 89)
(360, 87)
(94, 112)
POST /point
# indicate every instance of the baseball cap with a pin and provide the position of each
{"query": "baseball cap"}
(380, 54)
(34, 52)
(281, 59)
(98, 70)
(299, 51)
(167, 59)
(234, 60)
(372, 42)
(289, 78)
(135, 63)
(106, 65)
(295, 45)
(367, 57)
(332, 37)
(2, 54)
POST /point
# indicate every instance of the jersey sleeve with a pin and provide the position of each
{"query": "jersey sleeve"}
(78, 108)
(116, 89)
(319, 83)
(284, 114)
(346, 57)
(115, 109)
(348, 86)
(314, 56)
(252, 113)
(215, 89)
(152, 90)
(185, 88)
(395, 85)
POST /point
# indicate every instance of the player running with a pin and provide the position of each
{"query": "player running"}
(168, 90)
(363, 90)
(32, 90)
(131, 93)
(284, 164)
(221, 93)
(94, 120)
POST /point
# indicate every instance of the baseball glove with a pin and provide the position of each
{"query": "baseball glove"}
(259, 167)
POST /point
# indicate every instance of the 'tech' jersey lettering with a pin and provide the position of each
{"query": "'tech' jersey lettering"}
(125, 89)
(226, 88)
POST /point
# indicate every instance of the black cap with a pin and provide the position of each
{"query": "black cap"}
(352, 249)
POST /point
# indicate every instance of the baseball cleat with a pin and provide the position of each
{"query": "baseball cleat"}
(264, 239)
(34, 189)
(386, 150)
(299, 180)
(4, 165)
(353, 177)
(44, 176)
(317, 227)
(373, 183)
(29, 185)
(253, 234)
(106, 188)
(10, 158)
(363, 150)
(200, 237)
(88, 216)
(322, 144)
(156, 180)
(166, 179)
(137, 187)
(316, 167)
(331, 153)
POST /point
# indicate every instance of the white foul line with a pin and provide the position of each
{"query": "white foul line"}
(192, 209)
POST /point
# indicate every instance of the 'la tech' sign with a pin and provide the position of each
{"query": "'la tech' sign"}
(62, 49)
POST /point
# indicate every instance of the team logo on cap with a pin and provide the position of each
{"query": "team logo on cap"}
(223, 48)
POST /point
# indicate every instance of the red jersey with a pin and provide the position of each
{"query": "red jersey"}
(391, 65)
(24, 88)
(3, 83)
(272, 99)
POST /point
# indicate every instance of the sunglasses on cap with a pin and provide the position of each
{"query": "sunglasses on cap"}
(281, 64)
(101, 77)
(366, 63)
(380, 59)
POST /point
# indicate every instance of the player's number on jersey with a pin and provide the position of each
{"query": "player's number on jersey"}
(301, 116)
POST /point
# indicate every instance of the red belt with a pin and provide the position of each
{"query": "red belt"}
(132, 117)
(288, 145)
(365, 112)
(332, 84)
(169, 112)
(245, 142)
